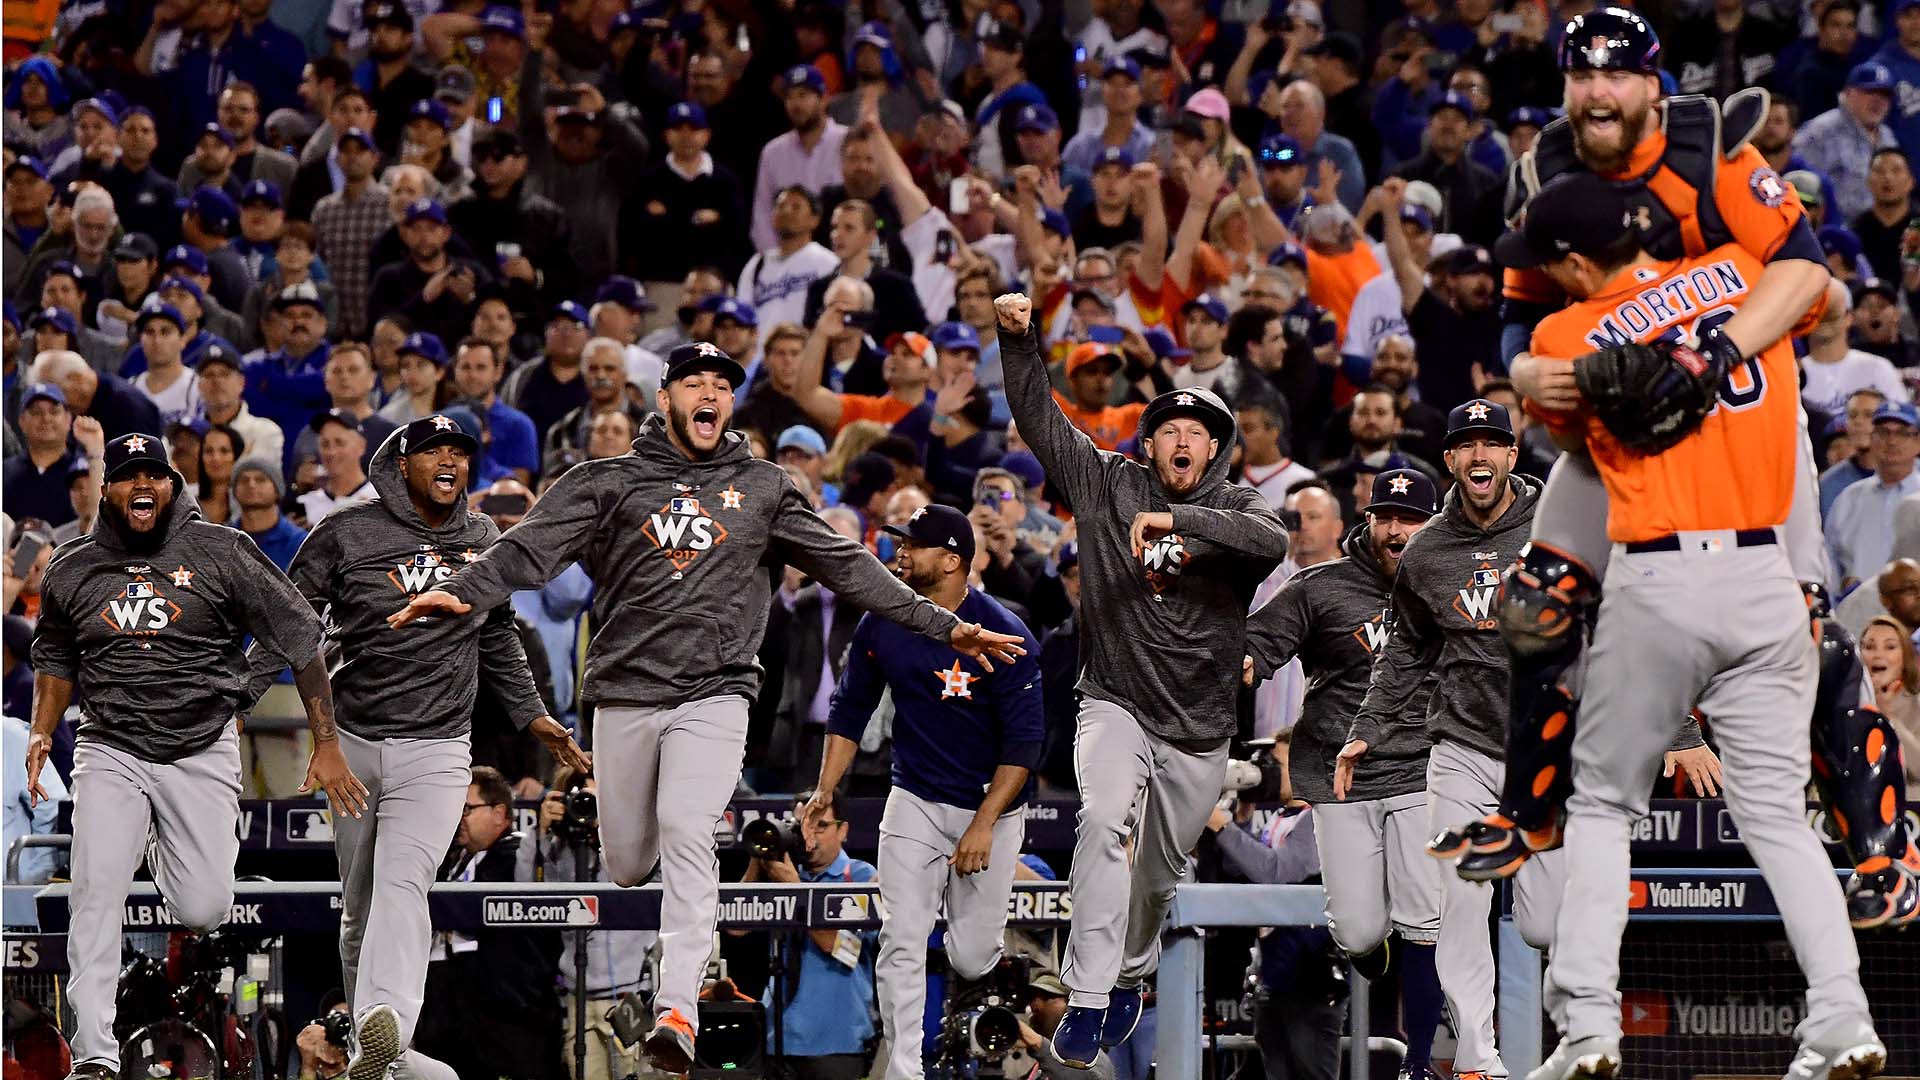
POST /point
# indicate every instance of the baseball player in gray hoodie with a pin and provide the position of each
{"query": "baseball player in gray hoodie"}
(1170, 556)
(141, 622)
(683, 536)
(405, 701)
(1445, 625)
(1371, 829)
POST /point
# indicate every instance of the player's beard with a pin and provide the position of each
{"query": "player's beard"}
(135, 541)
(922, 581)
(1607, 159)
(682, 424)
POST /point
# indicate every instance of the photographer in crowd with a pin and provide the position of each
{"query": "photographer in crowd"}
(822, 990)
(569, 850)
(322, 1045)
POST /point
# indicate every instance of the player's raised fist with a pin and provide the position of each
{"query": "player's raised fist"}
(1014, 310)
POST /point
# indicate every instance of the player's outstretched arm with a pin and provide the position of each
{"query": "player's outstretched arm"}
(1246, 527)
(801, 540)
(552, 536)
(1070, 458)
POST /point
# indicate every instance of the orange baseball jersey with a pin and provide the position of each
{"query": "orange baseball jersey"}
(1758, 206)
(1736, 472)
(1108, 427)
(885, 408)
(1334, 280)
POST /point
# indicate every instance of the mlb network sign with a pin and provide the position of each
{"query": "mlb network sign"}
(540, 911)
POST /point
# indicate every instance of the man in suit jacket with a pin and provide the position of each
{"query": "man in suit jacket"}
(240, 117)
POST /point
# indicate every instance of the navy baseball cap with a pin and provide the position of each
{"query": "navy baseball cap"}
(1897, 412)
(737, 310)
(1416, 215)
(1870, 76)
(159, 309)
(1004, 36)
(501, 19)
(1288, 252)
(192, 258)
(703, 356)
(261, 191)
(437, 430)
(424, 345)
(1405, 490)
(43, 391)
(1454, 99)
(571, 310)
(626, 292)
(1609, 39)
(1874, 286)
(1121, 65)
(214, 129)
(359, 135)
(30, 163)
(185, 285)
(1055, 222)
(215, 212)
(1113, 155)
(801, 437)
(938, 526)
(1575, 213)
(805, 76)
(1036, 118)
(1478, 417)
(338, 416)
(1164, 347)
(954, 335)
(426, 209)
(387, 13)
(1529, 116)
(58, 318)
(1215, 307)
(1281, 152)
(133, 450)
(1341, 46)
(65, 268)
(216, 354)
(687, 114)
(429, 109)
(295, 295)
(1470, 259)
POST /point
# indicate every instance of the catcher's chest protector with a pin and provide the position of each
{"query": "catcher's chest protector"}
(1674, 200)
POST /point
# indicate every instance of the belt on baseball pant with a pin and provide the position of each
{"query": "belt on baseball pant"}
(1745, 538)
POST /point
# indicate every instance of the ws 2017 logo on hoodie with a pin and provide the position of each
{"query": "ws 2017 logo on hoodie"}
(1162, 561)
(684, 531)
(141, 608)
(425, 570)
(1475, 603)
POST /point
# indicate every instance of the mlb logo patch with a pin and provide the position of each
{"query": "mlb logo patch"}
(426, 560)
(1486, 577)
(684, 505)
(139, 590)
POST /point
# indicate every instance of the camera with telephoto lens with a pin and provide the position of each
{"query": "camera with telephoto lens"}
(769, 839)
(983, 1015)
(1256, 779)
(579, 814)
(338, 1025)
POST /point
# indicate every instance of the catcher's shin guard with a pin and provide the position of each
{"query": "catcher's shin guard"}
(1546, 600)
(1857, 769)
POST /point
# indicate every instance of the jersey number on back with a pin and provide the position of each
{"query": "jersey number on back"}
(1745, 385)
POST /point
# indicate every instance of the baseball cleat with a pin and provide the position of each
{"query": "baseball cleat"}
(377, 1044)
(92, 1070)
(1592, 1058)
(1124, 1006)
(1497, 848)
(670, 1045)
(1882, 892)
(1852, 1052)
(1076, 1042)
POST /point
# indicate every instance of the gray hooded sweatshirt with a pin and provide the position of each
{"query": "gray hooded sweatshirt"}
(1334, 616)
(1163, 633)
(683, 554)
(153, 642)
(360, 565)
(1446, 624)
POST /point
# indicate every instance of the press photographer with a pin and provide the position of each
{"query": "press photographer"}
(820, 996)
(616, 960)
(1046, 1005)
(322, 1044)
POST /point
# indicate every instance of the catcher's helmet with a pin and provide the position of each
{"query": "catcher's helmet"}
(1610, 39)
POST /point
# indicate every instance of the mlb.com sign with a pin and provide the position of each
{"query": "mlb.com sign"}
(540, 911)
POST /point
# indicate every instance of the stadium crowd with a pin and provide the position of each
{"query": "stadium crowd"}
(275, 231)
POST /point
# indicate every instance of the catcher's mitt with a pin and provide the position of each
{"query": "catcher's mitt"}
(1650, 396)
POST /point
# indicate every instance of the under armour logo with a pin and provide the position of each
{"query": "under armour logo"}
(441, 423)
(1183, 399)
(137, 444)
(1400, 485)
(1476, 411)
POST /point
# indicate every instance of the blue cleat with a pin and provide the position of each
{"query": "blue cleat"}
(1123, 1015)
(1076, 1042)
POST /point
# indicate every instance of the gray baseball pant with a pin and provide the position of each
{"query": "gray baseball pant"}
(917, 839)
(1115, 935)
(190, 810)
(416, 790)
(1724, 626)
(1464, 785)
(1376, 871)
(666, 776)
